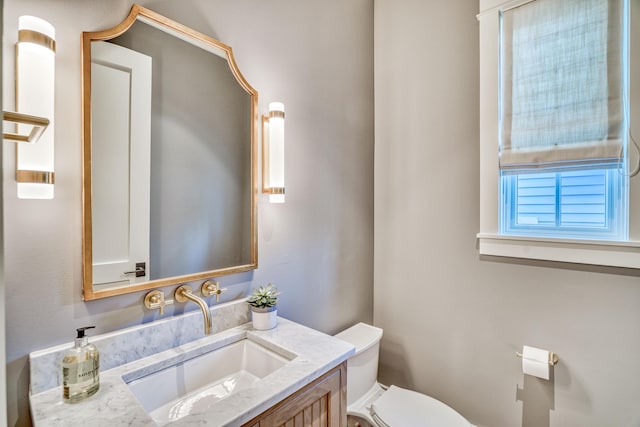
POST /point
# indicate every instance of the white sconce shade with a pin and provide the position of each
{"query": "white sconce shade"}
(35, 81)
(273, 153)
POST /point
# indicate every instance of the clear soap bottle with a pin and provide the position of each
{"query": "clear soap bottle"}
(80, 369)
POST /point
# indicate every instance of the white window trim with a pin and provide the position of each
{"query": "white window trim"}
(490, 242)
(594, 252)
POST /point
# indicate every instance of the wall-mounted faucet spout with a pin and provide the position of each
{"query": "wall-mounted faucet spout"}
(184, 294)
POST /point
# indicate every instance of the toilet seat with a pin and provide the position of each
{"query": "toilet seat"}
(398, 407)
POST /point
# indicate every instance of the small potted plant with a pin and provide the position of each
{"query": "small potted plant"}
(264, 307)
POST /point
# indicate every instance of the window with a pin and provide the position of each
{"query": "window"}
(555, 80)
(562, 142)
(583, 203)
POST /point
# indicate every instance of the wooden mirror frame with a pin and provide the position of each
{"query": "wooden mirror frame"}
(200, 40)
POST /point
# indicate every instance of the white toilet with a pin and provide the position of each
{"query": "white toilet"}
(369, 404)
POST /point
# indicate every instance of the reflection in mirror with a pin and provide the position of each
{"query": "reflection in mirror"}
(169, 129)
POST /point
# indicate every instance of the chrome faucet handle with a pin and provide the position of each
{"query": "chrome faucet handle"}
(155, 299)
(212, 288)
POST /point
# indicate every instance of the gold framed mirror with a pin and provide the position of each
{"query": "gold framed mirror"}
(169, 128)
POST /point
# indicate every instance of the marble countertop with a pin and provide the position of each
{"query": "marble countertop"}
(115, 405)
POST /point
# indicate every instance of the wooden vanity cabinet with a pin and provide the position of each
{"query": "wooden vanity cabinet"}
(322, 403)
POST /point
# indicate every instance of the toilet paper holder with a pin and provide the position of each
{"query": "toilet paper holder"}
(553, 358)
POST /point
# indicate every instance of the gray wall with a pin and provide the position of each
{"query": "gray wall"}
(317, 58)
(453, 322)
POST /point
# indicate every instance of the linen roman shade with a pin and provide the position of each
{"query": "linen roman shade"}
(562, 84)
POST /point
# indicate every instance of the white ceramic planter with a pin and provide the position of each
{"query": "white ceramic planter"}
(264, 318)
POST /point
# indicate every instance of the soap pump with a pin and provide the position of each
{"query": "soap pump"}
(80, 369)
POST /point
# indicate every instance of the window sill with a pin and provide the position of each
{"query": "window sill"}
(592, 252)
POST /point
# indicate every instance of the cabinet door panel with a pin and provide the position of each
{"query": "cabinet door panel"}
(320, 404)
(315, 401)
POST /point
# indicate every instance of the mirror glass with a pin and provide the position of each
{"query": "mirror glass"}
(169, 159)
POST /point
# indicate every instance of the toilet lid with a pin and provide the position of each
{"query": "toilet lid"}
(399, 407)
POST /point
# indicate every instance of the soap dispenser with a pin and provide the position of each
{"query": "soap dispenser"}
(80, 369)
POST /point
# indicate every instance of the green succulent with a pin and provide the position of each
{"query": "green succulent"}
(264, 296)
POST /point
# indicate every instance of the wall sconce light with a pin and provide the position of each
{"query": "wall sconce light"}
(273, 153)
(35, 80)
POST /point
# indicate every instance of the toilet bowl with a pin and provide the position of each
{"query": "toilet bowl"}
(369, 404)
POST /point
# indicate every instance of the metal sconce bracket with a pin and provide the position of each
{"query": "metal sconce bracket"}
(39, 124)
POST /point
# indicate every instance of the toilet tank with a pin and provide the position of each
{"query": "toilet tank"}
(362, 367)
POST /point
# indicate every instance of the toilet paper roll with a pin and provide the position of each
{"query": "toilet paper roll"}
(535, 362)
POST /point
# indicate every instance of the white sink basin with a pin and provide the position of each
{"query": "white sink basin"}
(195, 383)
